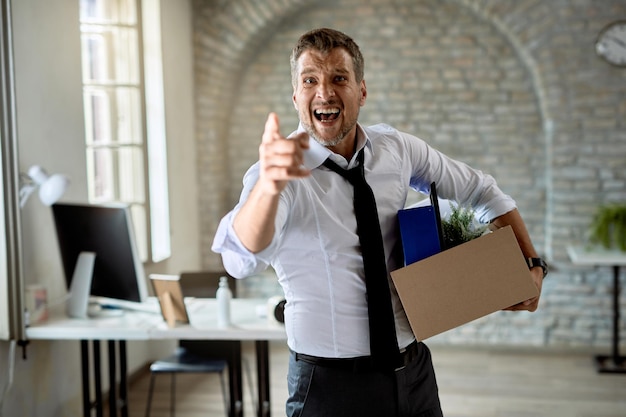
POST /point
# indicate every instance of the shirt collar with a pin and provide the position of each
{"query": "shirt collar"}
(317, 154)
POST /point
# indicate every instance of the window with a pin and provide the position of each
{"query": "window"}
(125, 144)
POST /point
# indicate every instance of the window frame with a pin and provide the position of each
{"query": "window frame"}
(148, 198)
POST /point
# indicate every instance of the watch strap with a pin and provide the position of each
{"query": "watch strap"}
(538, 262)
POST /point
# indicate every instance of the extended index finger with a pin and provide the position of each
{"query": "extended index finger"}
(272, 128)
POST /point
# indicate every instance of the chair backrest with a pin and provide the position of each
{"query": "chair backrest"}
(204, 284)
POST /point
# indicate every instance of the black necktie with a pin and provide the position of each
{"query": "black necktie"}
(383, 340)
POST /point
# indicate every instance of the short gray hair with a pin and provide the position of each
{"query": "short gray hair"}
(325, 40)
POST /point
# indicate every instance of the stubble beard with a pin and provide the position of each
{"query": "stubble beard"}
(334, 141)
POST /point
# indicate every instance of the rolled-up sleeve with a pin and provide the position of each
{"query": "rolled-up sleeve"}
(239, 261)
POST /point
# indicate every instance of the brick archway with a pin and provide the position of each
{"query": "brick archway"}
(230, 37)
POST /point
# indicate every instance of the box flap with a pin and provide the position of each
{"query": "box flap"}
(464, 283)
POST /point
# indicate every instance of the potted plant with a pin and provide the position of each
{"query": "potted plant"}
(460, 226)
(608, 227)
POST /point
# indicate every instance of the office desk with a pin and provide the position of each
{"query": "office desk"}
(115, 331)
(615, 363)
(134, 325)
(246, 326)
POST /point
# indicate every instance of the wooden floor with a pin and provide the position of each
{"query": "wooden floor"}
(472, 382)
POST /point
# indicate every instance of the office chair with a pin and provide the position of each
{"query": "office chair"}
(199, 356)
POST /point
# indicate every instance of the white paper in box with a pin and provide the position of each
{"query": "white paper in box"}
(464, 283)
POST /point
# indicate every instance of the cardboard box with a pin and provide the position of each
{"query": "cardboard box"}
(464, 283)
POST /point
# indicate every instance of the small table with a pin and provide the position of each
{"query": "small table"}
(614, 363)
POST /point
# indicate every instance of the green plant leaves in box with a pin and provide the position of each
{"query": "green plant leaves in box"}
(608, 227)
(460, 226)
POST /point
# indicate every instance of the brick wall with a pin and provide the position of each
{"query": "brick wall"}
(512, 88)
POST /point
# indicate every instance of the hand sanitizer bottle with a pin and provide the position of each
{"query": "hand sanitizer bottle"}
(223, 297)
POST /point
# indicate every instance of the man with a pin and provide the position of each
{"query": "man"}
(298, 215)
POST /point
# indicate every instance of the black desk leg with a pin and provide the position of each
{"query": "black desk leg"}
(98, 404)
(615, 363)
(263, 377)
(235, 380)
(114, 404)
(84, 356)
(112, 379)
(123, 378)
(95, 346)
(88, 405)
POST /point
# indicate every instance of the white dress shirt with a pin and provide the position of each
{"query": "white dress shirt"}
(315, 250)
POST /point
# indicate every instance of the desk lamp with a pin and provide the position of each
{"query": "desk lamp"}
(51, 188)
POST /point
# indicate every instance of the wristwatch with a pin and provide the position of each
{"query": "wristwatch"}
(533, 262)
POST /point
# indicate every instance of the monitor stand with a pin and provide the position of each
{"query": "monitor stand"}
(78, 302)
(81, 305)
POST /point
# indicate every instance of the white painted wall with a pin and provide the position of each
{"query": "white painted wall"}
(50, 130)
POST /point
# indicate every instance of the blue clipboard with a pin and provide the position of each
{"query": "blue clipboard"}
(420, 230)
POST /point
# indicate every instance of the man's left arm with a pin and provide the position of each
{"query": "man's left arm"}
(514, 219)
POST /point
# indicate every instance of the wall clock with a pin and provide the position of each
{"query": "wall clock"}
(611, 43)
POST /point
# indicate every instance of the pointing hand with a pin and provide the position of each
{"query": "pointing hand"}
(280, 158)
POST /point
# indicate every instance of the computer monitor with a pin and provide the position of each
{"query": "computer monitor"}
(118, 277)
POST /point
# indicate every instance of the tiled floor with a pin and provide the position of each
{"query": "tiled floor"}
(473, 383)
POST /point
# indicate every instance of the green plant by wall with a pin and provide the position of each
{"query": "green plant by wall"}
(608, 227)
(460, 227)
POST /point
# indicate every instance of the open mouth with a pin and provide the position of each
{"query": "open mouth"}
(326, 115)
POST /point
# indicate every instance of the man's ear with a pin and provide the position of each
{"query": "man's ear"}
(293, 99)
(363, 93)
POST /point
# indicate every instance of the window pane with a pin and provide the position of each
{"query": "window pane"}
(109, 11)
(101, 176)
(110, 54)
(97, 116)
(130, 175)
(126, 55)
(116, 174)
(94, 57)
(113, 116)
(129, 121)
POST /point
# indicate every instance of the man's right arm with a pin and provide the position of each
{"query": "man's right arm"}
(280, 160)
(254, 223)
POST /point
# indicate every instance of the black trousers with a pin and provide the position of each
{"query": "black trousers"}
(321, 391)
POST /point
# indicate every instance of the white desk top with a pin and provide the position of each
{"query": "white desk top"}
(246, 323)
(134, 325)
(130, 326)
(596, 257)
